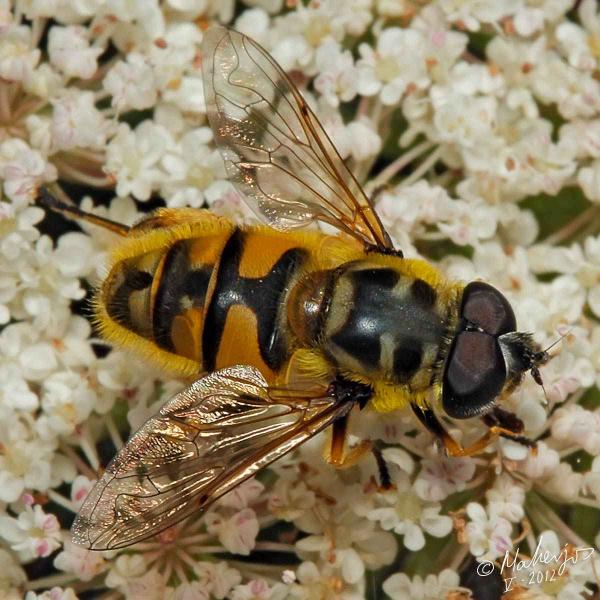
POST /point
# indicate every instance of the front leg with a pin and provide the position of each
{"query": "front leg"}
(508, 426)
(500, 422)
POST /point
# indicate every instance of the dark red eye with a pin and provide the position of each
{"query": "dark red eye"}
(475, 374)
(484, 306)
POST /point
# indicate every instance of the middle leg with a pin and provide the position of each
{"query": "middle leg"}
(339, 455)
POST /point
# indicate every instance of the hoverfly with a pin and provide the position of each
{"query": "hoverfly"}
(283, 333)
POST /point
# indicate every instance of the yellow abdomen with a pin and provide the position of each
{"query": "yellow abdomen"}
(203, 294)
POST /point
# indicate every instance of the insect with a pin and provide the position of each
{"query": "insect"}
(281, 333)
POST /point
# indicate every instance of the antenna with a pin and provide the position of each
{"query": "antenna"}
(540, 358)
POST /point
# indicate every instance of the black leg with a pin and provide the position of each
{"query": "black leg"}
(427, 417)
(51, 202)
(385, 481)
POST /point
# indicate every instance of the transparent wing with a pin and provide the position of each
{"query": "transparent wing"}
(275, 150)
(202, 443)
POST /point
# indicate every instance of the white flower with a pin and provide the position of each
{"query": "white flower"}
(452, 121)
(541, 464)
(56, 593)
(67, 401)
(147, 16)
(237, 533)
(12, 577)
(589, 180)
(70, 52)
(351, 544)
(402, 511)
(443, 476)
(131, 84)
(471, 13)
(470, 223)
(432, 587)
(22, 171)
(33, 534)
(337, 78)
(409, 517)
(574, 92)
(190, 590)
(80, 488)
(530, 16)
(563, 484)
(150, 585)
(130, 574)
(193, 6)
(39, 132)
(257, 589)
(386, 71)
(176, 56)
(574, 424)
(125, 567)
(323, 580)
(15, 392)
(17, 57)
(243, 495)
(254, 22)
(75, 255)
(83, 563)
(26, 460)
(290, 499)
(413, 208)
(192, 169)
(70, 111)
(187, 94)
(217, 578)
(443, 46)
(489, 536)
(506, 499)
(357, 139)
(132, 158)
(578, 43)
(591, 479)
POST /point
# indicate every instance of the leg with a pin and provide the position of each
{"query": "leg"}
(346, 390)
(340, 458)
(385, 481)
(47, 200)
(427, 417)
(338, 454)
(160, 218)
(453, 448)
(508, 425)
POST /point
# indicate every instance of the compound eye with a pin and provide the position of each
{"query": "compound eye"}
(475, 375)
(484, 306)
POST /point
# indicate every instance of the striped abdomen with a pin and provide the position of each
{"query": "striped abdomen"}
(217, 299)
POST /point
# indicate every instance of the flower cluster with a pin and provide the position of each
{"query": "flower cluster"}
(475, 126)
